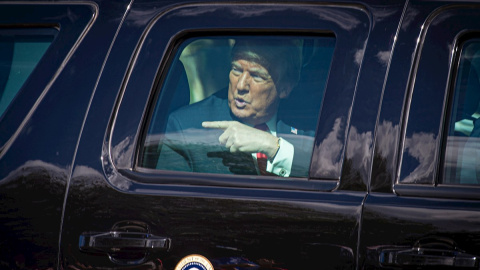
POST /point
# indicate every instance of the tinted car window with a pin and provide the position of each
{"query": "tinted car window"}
(20, 51)
(462, 155)
(220, 89)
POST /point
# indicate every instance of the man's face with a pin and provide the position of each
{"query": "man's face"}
(252, 94)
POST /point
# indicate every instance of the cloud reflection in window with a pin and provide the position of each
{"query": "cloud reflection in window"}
(328, 161)
(421, 147)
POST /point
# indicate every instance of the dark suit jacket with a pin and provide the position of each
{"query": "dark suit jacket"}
(187, 146)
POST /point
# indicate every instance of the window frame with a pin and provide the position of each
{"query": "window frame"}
(123, 135)
(155, 176)
(451, 95)
(441, 114)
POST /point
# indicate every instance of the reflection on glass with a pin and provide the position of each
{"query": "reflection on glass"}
(384, 162)
(420, 149)
(329, 162)
(461, 162)
(239, 105)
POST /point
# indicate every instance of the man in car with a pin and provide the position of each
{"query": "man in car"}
(242, 133)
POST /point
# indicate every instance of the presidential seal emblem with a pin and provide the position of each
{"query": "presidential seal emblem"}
(194, 262)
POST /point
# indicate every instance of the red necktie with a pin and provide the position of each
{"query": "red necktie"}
(261, 157)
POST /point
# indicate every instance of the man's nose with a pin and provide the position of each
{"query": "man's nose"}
(243, 83)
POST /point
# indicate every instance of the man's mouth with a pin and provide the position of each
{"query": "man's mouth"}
(240, 103)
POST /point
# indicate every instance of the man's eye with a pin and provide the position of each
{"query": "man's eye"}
(258, 77)
(236, 70)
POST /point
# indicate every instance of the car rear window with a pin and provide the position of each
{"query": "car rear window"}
(239, 105)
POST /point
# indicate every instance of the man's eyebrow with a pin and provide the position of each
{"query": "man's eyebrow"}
(259, 71)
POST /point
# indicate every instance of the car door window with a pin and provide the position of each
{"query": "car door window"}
(314, 109)
(219, 90)
(462, 154)
(20, 51)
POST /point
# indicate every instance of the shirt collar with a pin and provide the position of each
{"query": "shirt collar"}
(272, 123)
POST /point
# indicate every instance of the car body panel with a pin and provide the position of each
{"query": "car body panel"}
(442, 218)
(70, 141)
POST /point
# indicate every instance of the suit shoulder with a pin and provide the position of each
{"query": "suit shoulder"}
(204, 109)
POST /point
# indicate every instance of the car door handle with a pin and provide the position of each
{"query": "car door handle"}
(427, 257)
(115, 241)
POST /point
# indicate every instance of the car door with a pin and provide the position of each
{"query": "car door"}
(123, 211)
(424, 208)
(47, 75)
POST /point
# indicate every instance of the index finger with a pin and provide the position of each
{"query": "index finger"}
(217, 124)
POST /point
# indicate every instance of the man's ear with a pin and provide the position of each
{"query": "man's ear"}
(285, 91)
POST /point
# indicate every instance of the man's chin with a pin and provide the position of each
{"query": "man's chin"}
(240, 115)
